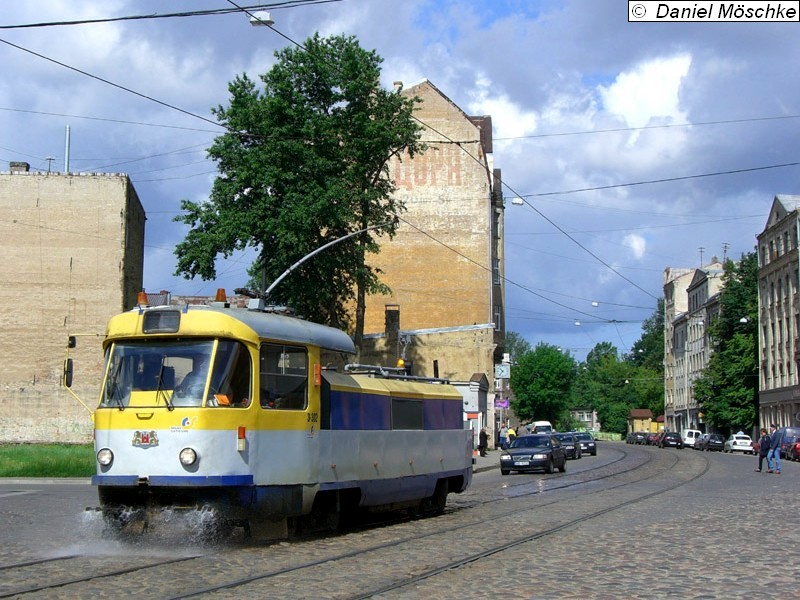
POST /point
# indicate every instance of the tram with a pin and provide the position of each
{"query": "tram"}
(236, 411)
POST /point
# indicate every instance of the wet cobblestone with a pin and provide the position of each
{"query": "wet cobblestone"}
(659, 523)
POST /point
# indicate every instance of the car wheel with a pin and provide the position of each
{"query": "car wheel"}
(594, 453)
(549, 470)
(564, 466)
(504, 471)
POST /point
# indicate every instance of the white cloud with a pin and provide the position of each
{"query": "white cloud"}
(508, 119)
(637, 244)
(648, 92)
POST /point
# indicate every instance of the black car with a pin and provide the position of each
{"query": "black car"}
(533, 453)
(711, 442)
(588, 445)
(570, 443)
(671, 439)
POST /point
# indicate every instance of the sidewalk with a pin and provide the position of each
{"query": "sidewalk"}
(485, 463)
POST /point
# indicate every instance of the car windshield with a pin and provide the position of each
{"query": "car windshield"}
(584, 436)
(565, 437)
(743, 438)
(531, 441)
(715, 437)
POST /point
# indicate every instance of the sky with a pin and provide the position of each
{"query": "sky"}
(633, 146)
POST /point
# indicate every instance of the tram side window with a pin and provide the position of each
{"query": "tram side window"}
(407, 414)
(230, 381)
(284, 377)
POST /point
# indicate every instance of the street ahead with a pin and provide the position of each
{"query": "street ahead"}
(632, 522)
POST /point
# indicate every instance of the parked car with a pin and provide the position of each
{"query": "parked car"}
(711, 442)
(793, 449)
(739, 442)
(787, 435)
(641, 437)
(570, 443)
(588, 445)
(630, 438)
(533, 453)
(671, 439)
(653, 439)
(690, 437)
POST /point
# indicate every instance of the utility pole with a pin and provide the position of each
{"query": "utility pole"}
(702, 249)
(725, 246)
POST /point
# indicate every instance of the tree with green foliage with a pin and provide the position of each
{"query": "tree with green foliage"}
(305, 162)
(515, 345)
(541, 381)
(727, 391)
(612, 387)
(648, 350)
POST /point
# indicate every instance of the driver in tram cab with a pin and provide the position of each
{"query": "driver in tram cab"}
(195, 377)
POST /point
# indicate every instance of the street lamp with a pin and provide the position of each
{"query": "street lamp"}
(261, 18)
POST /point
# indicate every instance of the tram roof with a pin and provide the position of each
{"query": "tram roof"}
(282, 327)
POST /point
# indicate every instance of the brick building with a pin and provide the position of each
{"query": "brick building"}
(73, 253)
(445, 266)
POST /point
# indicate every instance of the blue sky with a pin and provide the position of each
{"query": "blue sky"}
(634, 144)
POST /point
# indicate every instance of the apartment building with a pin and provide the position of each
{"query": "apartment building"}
(779, 314)
(691, 302)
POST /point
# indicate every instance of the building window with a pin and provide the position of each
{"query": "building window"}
(496, 271)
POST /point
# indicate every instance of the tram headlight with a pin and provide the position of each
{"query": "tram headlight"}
(105, 457)
(188, 457)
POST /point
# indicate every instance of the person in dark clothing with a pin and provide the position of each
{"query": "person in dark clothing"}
(763, 448)
(483, 441)
(774, 456)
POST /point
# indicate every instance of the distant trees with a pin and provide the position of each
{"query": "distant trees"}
(547, 383)
(727, 391)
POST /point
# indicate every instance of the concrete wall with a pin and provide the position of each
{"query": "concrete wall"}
(456, 350)
(72, 247)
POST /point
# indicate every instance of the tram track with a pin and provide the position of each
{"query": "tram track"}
(317, 560)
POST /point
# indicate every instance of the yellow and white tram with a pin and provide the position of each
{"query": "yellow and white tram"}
(231, 409)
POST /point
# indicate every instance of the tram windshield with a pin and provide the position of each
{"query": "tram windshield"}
(177, 373)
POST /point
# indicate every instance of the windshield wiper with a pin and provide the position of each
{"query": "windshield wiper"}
(160, 392)
(113, 386)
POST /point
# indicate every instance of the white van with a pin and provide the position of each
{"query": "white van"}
(541, 427)
(690, 437)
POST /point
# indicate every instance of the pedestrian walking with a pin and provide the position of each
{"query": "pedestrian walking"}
(483, 441)
(511, 434)
(763, 448)
(774, 455)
